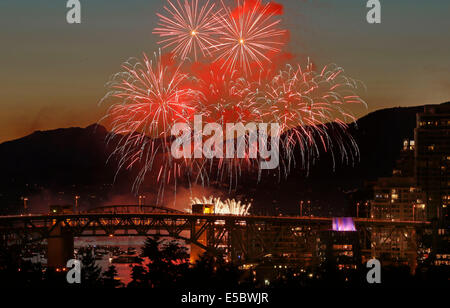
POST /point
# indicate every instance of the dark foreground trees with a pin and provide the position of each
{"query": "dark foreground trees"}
(164, 264)
(109, 278)
(167, 265)
(91, 273)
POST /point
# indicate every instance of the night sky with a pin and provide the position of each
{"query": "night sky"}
(52, 74)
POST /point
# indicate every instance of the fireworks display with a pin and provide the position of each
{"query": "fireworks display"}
(239, 38)
(304, 101)
(227, 207)
(312, 107)
(249, 35)
(188, 29)
(152, 96)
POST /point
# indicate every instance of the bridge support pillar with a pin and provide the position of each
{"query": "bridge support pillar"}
(59, 248)
(197, 251)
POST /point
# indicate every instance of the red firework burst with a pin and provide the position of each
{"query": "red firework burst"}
(246, 82)
(188, 28)
(313, 109)
(225, 94)
(153, 95)
(249, 35)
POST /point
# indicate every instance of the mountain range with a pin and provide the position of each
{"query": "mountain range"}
(65, 157)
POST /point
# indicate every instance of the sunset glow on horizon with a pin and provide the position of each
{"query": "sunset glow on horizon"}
(53, 73)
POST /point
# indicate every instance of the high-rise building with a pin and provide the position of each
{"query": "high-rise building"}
(339, 249)
(398, 197)
(432, 163)
(432, 155)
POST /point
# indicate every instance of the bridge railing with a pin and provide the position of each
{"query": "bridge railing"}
(132, 208)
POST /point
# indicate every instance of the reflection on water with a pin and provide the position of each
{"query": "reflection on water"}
(123, 269)
(124, 243)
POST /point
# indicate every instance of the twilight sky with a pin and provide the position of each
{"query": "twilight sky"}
(52, 74)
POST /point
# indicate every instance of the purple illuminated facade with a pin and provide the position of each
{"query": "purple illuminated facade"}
(343, 224)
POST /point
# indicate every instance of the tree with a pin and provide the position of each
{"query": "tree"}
(151, 249)
(15, 271)
(90, 271)
(109, 278)
(167, 264)
(138, 277)
(211, 270)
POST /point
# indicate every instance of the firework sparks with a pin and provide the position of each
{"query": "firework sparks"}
(308, 104)
(149, 96)
(152, 96)
(227, 207)
(188, 28)
(313, 108)
(227, 101)
(249, 35)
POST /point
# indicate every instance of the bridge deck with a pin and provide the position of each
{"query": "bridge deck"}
(293, 220)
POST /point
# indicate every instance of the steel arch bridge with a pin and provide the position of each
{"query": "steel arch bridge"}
(249, 236)
(133, 208)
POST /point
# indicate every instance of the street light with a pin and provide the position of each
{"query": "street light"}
(25, 199)
(76, 203)
(141, 201)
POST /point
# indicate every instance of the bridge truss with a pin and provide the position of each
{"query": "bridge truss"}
(243, 238)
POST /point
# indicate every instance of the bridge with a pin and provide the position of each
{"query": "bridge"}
(133, 208)
(242, 238)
